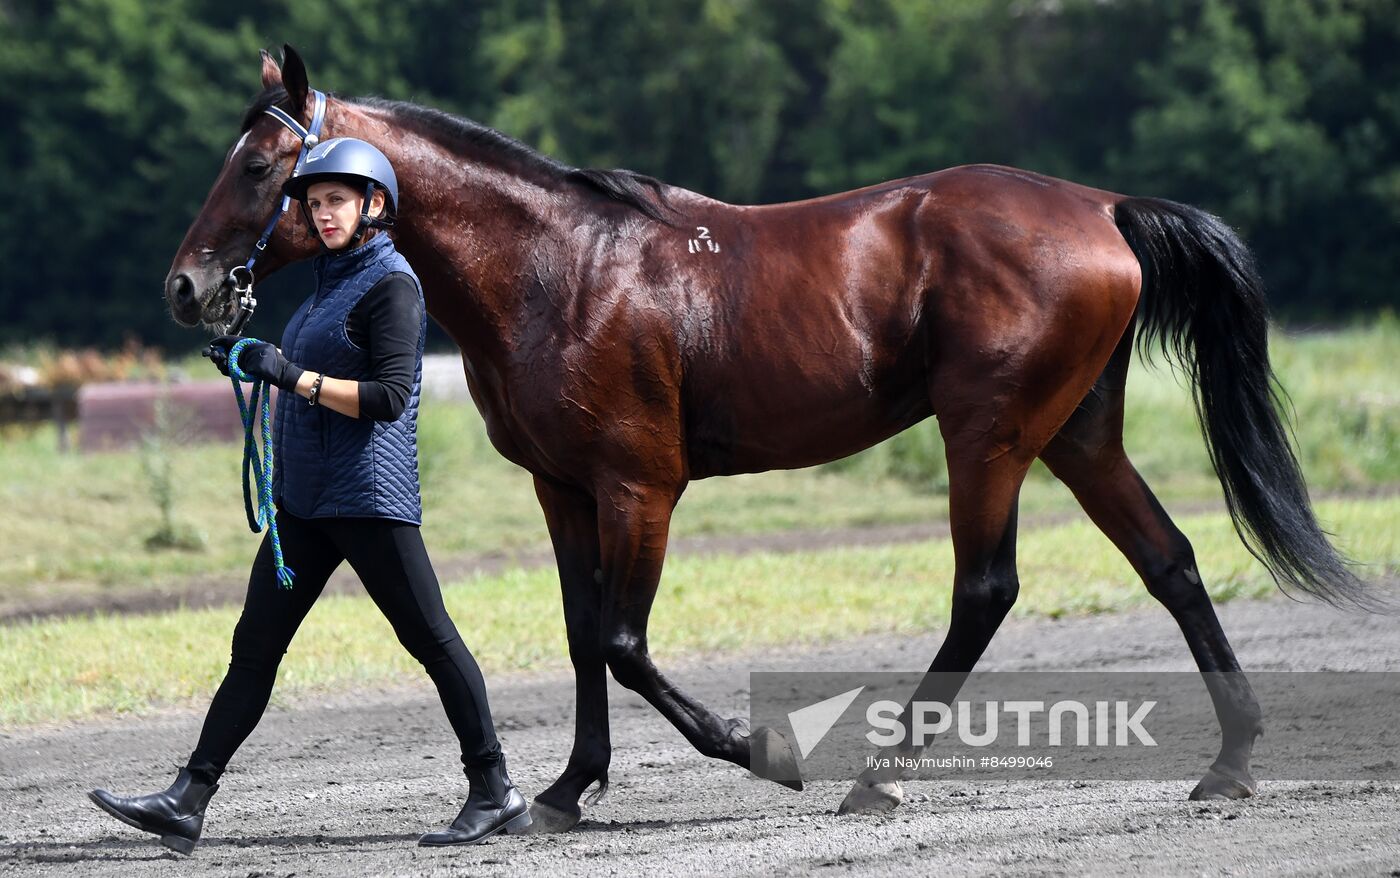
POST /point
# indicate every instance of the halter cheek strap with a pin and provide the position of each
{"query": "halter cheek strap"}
(241, 276)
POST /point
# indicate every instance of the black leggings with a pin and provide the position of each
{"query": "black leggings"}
(393, 565)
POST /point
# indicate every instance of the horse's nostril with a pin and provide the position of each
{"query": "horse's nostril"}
(182, 290)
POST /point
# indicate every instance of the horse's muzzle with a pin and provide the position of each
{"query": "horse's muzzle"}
(190, 308)
(184, 304)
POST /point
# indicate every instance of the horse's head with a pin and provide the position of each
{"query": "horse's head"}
(245, 195)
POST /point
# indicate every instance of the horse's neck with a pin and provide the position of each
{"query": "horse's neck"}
(470, 265)
(470, 231)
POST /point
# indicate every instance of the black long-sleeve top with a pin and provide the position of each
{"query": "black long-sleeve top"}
(386, 322)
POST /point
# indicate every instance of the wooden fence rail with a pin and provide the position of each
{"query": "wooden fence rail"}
(114, 415)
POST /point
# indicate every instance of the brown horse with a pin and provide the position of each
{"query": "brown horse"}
(622, 337)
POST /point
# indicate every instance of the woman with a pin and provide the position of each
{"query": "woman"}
(346, 488)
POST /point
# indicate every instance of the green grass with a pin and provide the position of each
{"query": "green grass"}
(79, 524)
(82, 667)
(84, 519)
(1345, 400)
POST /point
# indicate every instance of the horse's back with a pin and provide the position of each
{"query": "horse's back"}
(829, 326)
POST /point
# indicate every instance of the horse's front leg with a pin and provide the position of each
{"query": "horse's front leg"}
(573, 528)
(633, 524)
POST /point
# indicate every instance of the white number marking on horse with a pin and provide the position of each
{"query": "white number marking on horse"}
(702, 241)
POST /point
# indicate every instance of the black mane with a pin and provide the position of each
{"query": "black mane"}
(270, 97)
(636, 190)
(628, 187)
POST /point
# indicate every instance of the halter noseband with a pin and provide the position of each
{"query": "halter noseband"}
(240, 277)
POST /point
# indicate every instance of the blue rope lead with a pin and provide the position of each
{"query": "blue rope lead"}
(266, 512)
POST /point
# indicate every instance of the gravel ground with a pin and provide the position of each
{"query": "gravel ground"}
(343, 786)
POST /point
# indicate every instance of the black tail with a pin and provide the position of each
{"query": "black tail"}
(1203, 302)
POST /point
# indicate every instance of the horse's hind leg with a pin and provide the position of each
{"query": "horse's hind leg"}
(984, 484)
(573, 528)
(1087, 455)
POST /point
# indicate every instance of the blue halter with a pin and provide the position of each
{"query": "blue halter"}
(240, 277)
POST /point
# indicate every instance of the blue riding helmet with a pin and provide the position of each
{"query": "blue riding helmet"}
(351, 161)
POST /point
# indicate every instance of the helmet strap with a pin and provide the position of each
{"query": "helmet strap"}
(374, 222)
(365, 219)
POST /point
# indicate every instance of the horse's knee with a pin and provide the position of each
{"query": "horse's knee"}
(626, 657)
(585, 650)
(586, 660)
(989, 596)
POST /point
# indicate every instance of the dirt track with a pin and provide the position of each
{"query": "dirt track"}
(342, 787)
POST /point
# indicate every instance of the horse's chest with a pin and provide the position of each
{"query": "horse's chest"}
(517, 421)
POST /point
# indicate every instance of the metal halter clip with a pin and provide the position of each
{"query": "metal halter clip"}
(240, 277)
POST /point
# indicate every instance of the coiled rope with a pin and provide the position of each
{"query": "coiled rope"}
(258, 405)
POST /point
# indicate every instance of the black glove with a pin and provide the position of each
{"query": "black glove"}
(217, 352)
(260, 360)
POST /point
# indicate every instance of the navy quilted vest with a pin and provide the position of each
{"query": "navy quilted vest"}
(328, 464)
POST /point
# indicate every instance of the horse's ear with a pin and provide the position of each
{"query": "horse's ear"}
(271, 73)
(294, 78)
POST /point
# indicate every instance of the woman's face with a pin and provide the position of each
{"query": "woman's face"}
(335, 209)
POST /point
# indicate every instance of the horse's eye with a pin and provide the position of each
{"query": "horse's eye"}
(257, 169)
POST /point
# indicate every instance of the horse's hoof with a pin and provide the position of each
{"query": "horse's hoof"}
(877, 798)
(771, 758)
(547, 818)
(1217, 786)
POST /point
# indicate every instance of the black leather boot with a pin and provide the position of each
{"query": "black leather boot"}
(493, 805)
(176, 815)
